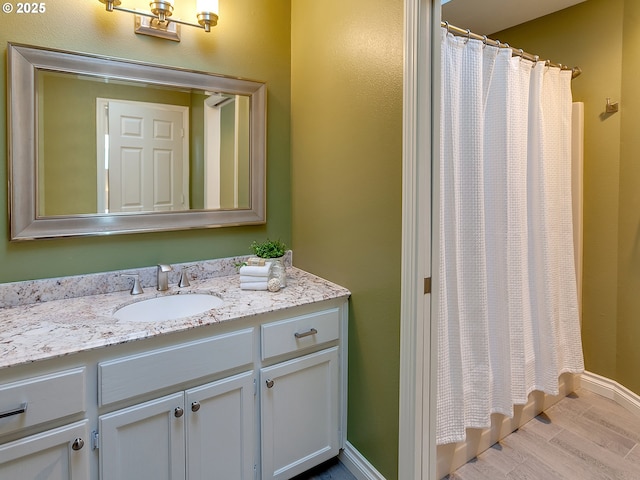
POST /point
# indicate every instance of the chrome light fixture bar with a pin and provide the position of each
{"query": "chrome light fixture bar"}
(157, 23)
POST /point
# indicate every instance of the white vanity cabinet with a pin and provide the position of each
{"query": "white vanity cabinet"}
(56, 454)
(32, 404)
(300, 397)
(260, 397)
(145, 441)
(221, 429)
(202, 433)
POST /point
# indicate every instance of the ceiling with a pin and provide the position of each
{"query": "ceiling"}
(485, 17)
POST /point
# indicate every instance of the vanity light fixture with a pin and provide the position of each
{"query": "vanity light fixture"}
(157, 23)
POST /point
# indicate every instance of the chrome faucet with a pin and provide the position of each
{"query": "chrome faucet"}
(163, 276)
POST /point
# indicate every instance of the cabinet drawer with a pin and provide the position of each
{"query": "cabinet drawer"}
(37, 400)
(128, 377)
(279, 338)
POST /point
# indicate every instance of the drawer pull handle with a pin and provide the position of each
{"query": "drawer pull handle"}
(9, 413)
(195, 406)
(269, 383)
(312, 331)
(178, 412)
(77, 444)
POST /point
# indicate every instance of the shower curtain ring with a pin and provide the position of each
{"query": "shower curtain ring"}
(468, 36)
(521, 53)
(484, 40)
(446, 24)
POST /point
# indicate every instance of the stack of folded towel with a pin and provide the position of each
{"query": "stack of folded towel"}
(255, 277)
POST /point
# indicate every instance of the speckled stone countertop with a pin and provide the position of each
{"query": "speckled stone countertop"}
(32, 329)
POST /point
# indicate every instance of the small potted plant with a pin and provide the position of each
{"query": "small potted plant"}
(269, 249)
(272, 251)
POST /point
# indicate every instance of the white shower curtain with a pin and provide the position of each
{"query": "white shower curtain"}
(508, 312)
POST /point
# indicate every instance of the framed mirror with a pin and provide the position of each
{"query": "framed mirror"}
(101, 146)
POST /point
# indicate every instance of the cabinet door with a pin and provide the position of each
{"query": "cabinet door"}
(144, 442)
(221, 430)
(52, 455)
(299, 414)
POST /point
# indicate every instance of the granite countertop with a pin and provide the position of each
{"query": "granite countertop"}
(49, 329)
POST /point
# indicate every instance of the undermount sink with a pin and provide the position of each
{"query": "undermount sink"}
(168, 307)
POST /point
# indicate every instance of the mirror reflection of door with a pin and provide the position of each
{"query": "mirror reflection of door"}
(143, 156)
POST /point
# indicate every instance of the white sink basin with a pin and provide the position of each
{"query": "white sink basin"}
(168, 307)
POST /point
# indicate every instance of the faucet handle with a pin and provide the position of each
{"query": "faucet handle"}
(136, 289)
(184, 278)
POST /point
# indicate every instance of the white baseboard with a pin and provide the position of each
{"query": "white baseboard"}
(612, 390)
(359, 466)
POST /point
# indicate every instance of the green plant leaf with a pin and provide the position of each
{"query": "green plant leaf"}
(268, 249)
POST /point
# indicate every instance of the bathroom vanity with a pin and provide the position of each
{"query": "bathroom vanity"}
(253, 389)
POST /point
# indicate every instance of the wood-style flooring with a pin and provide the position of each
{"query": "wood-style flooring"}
(584, 436)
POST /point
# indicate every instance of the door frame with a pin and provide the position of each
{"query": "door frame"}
(418, 333)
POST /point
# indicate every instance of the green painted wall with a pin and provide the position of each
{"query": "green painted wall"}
(603, 38)
(628, 327)
(252, 40)
(346, 192)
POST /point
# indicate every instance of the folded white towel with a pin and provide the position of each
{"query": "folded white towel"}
(254, 285)
(252, 278)
(255, 270)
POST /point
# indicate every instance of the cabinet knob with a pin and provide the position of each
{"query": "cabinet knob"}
(77, 444)
(178, 412)
(269, 383)
(195, 406)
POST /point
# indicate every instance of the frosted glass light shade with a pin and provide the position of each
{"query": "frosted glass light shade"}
(209, 6)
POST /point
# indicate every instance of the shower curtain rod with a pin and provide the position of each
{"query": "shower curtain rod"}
(461, 32)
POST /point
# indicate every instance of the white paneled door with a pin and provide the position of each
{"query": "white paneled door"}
(147, 152)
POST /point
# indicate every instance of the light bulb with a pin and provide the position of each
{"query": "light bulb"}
(208, 6)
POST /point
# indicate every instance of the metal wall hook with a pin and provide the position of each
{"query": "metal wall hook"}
(611, 107)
